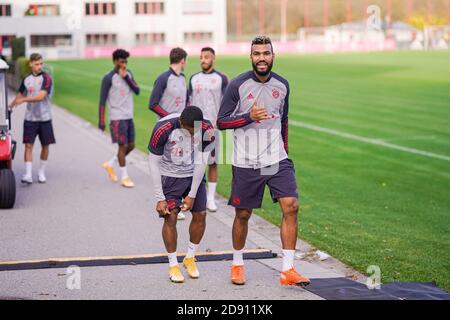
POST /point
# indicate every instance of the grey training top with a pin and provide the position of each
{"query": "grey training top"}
(206, 91)
(177, 146)
(30, 87)
(118, 93)
(169, 94)
(256, 144)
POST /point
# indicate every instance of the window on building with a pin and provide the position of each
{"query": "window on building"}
(197, 7)
(149, 7)
(104, 39)
(143, 39)
(6, 41)
(51, 40)
(100, 8)
(198, 37)
(42, 10)
(5, 10)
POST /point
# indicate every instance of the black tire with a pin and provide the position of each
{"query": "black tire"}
(7, 189)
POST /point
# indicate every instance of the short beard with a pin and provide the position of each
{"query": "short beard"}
(265, 73)
(207, 69)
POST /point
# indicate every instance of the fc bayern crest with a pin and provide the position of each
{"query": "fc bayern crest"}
(275, 94)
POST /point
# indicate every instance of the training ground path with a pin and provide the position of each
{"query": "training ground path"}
(80, 213)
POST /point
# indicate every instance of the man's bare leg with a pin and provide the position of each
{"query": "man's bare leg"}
(197, 227)
(289, 224)
(169, 231)
(240, 228)
(170, 235)
(240, 231)
(130, 148)
(28, 157)
(212, 173)
(124, 150)
(196, 231)
(45, 152)
(121, 154)
(289, 234)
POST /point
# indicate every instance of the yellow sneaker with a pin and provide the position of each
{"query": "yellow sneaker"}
(127, 183)
(191, 267)
(175, 275)
(111, 172)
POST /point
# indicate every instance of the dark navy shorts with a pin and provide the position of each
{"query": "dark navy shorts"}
(247, 190)
(122, 131)
(176, 189)
(43, 129)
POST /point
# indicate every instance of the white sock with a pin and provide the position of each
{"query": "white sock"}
(211, 191)
(238, 257)
(124, 172)
(42, 167)
(192, 249)
(288, 259)
(173, 262)
(113, 161)
(28, 169)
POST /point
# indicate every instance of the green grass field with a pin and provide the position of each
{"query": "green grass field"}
(365, 204)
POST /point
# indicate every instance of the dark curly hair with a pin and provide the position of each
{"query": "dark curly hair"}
(120, 54)
(190, 115)
(262, 40)
(209, 49)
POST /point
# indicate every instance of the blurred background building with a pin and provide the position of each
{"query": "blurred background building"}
(76, 29)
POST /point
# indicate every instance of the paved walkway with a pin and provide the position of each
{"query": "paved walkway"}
(80, 213)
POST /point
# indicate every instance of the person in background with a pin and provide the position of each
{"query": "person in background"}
(35, 91)
(205, 91)
(118, 87)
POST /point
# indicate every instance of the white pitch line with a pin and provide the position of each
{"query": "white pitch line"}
(376, 142)
(412, 138)
(90, 75)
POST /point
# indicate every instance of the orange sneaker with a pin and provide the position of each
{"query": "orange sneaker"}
(293, 278)
(110, 170)
(237, 275)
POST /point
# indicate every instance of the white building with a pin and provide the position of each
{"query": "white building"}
(92, 28)
(358, 36)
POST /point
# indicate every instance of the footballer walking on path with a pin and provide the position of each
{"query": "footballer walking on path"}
(179, 181)
(35, 91)
(117, 90)
(206, 90)
(256, 105)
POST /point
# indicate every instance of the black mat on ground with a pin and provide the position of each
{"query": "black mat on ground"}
(416, 291)
(346, 289)
(128, 260)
